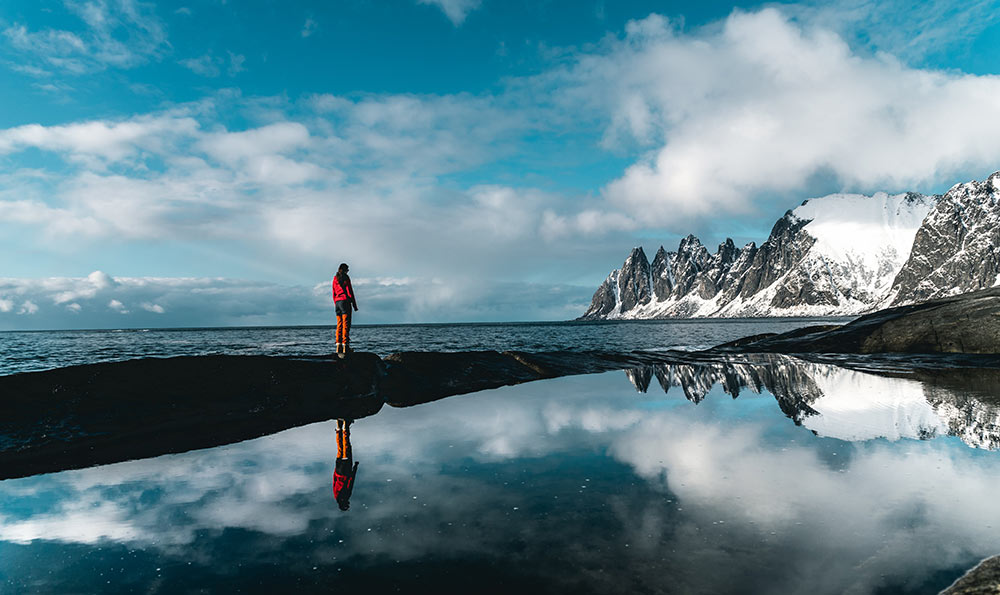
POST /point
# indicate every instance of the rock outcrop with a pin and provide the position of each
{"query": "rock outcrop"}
(968, 323)
(984, 579)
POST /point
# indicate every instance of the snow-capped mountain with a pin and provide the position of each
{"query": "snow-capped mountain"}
(957, 248)
(842, 254)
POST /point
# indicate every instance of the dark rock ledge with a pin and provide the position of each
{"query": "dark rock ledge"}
(95, 414)
(967, 323)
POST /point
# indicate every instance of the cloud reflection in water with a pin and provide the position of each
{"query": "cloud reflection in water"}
(576, 482)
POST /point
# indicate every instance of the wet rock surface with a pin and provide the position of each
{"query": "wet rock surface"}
(968, 323)
(984, 579)
(103, 413)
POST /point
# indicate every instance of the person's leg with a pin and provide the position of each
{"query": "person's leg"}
(341, 326)
(347, 331)
(347, 441)
(340, 439)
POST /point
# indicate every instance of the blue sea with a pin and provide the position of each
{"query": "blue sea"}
(25, 351)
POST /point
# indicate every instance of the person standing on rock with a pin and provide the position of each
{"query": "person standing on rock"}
(343, 300)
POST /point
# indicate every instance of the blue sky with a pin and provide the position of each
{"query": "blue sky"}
(211, 162)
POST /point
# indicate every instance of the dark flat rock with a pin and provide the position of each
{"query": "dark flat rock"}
(103, 413)
(87, 415)
(967, 323)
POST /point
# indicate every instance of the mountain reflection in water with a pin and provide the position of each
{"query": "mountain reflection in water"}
(839, 402)
(575, 484)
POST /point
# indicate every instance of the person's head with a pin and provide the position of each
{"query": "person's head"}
(344, 505)
(342, 269)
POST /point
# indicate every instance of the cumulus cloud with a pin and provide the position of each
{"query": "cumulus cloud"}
(95, 142)
(116, 34)
(100, 300)
(763, 104)
(455, 10)
(154, 308)
(377, 162)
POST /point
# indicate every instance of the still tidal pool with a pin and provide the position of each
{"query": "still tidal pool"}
(816, 479)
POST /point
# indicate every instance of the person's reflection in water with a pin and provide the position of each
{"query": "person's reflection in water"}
(345, 469)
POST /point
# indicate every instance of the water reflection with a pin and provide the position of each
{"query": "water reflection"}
(573, 484)
(345, 469)
(849, 404)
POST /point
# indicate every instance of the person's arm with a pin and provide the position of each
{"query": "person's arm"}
(350, 290)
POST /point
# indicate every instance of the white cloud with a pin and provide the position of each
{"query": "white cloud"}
(116, 33)
(455, 10)
(179, 302)
(277, 138)
(761, 105)
(205, 65)
(86, 288)
(96, 141)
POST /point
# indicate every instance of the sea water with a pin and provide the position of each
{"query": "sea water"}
(25, 351)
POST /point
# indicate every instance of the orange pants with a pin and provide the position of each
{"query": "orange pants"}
(344, 441)
(343, 332)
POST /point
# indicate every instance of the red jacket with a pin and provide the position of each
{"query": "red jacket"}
(343, 292)
(343, 484)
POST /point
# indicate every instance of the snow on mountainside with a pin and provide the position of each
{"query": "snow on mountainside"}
(834, 255)
(957, 248)
(841, 254)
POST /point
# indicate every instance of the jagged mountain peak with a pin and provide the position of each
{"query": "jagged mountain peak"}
(840, 254)
(689, 242)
